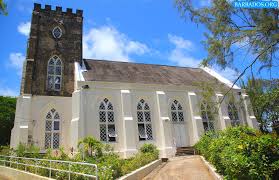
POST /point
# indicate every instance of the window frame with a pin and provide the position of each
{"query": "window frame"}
(54, 75)
(234, 113)
(57, 27)
(107, 123)
(176, 105)
(142, 103)
(52, 131)
(205, 109)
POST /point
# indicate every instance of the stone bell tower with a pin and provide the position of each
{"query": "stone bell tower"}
(54, 45)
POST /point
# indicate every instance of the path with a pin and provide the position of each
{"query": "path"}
(4, 177)
(184, 167)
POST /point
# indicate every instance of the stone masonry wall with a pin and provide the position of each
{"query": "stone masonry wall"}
(42, 46)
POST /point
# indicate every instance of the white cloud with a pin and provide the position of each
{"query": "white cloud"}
(182, 59)
(180, 54)
(8, 92)
(24, 28)
(16, 61)
(106, 42)
(180, 42)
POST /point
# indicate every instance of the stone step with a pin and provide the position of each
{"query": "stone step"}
(182, 151)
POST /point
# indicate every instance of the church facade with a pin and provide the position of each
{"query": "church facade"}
(64, 97)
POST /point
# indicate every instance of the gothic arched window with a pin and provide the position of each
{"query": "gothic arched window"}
(52, 130)
(144, 121)
(207, 117)
(54, 73)
(233, 114)
(176, 112)
(107, 123)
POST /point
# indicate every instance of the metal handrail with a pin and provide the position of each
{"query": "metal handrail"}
(50, 167)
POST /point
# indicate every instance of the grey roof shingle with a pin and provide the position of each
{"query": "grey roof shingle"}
(126, 72)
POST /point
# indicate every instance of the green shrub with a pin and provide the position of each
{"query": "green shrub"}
(110, 165)
(241, 153)
(30, 151)
(5, 150)
(149, 148)
(139, 160)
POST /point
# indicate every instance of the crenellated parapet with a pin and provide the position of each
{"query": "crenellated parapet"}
(58, 9)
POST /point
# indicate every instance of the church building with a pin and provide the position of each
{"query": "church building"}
(64, 97)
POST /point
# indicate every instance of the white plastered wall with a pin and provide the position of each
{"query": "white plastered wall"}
(30, 119)
(80, 118)
(125, 97)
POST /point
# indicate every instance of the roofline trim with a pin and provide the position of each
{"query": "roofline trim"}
(219, 77)
(139, 63)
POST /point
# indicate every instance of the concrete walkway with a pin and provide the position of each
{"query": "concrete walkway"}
(184, 167)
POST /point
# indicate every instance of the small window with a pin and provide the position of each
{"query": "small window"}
(106, 120)
(57, 32)
(54, 74)
(233, 114)
(144, 121)
(207, 117)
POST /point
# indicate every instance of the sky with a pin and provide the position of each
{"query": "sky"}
(143, 31)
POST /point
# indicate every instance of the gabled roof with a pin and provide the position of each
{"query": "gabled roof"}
(127, 72)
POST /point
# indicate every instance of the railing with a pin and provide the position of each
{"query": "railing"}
(52, 166)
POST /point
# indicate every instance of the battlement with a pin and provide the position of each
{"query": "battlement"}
(58, 9)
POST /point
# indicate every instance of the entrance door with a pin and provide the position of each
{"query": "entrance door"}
(179, 134)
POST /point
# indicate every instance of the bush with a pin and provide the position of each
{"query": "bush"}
(110, 165)
(139, 160)
(241, 153)
(147, 154)
(149, 148)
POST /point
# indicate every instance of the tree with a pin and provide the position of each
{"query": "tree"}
(7, 116)
(264, 96)
(90, 145)
(3, 7)
(256, 30)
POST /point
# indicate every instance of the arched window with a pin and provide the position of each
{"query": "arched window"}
(107, 123)
(52, 130)
(54, 73)
(176, 112)
(144, 121)
(207, 117)
(233, 114)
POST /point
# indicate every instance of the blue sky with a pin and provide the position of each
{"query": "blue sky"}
(146, 31)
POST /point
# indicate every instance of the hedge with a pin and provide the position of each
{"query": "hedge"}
(242, 153)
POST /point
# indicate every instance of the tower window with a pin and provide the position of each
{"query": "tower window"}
(54, 74)
(57, 32)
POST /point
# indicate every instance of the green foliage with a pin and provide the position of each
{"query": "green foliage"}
(264, 96)
(91, 146)
(3, 7)
(149, 148)
(7, 116)
(5, 150)
(241, 153)
(110, 165)
(23, 150)
(253, 30)
(139, 160)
